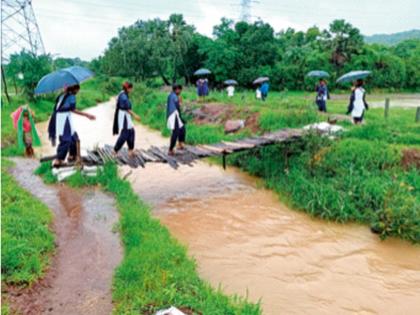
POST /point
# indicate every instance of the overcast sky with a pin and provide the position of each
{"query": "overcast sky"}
(78, 28)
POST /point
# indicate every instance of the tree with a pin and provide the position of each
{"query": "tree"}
(27, 69)
(345, 41)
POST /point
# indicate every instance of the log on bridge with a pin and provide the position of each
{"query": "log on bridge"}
(99, 156)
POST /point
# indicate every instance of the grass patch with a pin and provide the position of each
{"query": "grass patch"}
(156, 271)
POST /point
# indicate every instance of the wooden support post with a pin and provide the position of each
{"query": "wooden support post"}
(418, 114)
(3, 78)
(386, 108)
(224, 161)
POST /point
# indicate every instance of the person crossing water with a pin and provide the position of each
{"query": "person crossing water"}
(174, 119)
(123, 124)
(61, 125)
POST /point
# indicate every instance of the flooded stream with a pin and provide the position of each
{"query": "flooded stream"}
(246, 240)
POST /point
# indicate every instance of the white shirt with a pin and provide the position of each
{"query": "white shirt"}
(358, 104)
(230, 90)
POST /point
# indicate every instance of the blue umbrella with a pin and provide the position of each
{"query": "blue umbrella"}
(230, 82)
(318, 74)
(202, 71)
(261, 80)
(352, 76)
(59, 79)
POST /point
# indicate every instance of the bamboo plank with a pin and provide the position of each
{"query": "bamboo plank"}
(171, 161)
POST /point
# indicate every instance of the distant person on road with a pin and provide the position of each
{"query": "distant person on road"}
(123, 124)
(206, 87)
(322, 95)
(358, 103)
(61, 125)
(200, 88)
(264, 90)
(174, 119)
(230, 90)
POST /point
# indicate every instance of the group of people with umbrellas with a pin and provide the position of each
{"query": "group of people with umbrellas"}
(61, 122)
(357, 104)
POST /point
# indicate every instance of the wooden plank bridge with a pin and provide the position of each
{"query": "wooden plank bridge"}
(189, 154)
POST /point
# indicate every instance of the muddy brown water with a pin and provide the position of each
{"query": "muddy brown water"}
(80, 277)
(247, 241)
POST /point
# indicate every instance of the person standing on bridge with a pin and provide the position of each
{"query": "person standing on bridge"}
(358, 103)
(123, 124)
(174, 119)
(61, 125)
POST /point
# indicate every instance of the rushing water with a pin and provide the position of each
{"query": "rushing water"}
(247, 241)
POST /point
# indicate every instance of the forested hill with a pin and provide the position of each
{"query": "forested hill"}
(392, 39)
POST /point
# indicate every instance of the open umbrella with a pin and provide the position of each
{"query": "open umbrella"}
(318, 74)
(261, 80)
(59, 79)
(352, 76)
(202, 71)
(230, 82)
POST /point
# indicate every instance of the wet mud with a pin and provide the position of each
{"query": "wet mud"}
(79, 278)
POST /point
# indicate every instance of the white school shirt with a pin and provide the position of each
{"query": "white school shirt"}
(358, 104)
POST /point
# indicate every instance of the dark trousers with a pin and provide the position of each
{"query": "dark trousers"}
(263, 96)
(177, 134)
(126, 135)
(322, 105)
(67, 145)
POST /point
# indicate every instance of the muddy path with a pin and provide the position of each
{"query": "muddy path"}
(80, 276)
(247, 241)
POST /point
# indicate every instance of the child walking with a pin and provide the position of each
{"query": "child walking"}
(27, 136)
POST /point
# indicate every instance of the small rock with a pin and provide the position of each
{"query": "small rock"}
(234, 125)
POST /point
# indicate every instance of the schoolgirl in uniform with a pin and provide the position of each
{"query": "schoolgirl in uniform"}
(61, 125)
(123, 124)
(358, 103)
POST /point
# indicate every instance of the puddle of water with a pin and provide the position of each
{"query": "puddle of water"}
(246, 240)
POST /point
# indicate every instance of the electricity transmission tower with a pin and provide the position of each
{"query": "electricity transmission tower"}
(245, 15)
(19, 29)
(245, 11)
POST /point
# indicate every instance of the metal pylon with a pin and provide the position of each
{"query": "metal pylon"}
(19, 29)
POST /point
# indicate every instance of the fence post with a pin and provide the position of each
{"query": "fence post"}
(418, 114)
(386, 108)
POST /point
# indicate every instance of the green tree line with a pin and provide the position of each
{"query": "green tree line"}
(172, 49)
